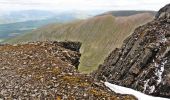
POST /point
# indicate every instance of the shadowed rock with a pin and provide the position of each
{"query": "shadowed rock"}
(143, 61)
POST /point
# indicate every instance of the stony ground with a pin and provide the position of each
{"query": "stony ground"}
(47, 71)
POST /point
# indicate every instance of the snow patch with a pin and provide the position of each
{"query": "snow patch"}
(159, 71)
(152, 88)
(146, 85)
(137, 94)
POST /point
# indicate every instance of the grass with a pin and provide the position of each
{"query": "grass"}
(99, 36)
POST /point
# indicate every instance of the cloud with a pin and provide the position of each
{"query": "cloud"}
(83, 4)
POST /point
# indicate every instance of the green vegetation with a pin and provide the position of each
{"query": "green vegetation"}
(14, 29)
(99, 36)
(1, 40)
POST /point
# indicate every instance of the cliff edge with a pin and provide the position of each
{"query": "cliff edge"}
(143, 61)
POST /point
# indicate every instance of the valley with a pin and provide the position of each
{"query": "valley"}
(1, 40)
(99, 35)
(84, 50)
(18, 23)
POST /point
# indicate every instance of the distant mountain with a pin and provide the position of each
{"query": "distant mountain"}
(99, 35)
(14, 29)
(26, 15)
(127, 12)
(29, 15)
(24, 21)
(3, 21)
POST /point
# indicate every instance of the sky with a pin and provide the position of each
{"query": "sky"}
(84, 5)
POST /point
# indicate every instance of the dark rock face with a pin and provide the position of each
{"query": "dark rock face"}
(164, 12)
(46, 71)
(143, 61)
(74, 46)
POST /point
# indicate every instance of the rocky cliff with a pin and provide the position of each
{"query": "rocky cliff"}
(97, 34)
(143, 61)
(46, 71)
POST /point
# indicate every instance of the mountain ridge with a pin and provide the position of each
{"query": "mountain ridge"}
(47, 70)
(143, 61)
(98, 35)
(127, 12)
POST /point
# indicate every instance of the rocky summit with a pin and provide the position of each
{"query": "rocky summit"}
(163, 13)
(143, 61)
(47, 71)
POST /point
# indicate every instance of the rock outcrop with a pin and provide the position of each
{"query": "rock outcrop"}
(143, 61)
(46, 71)
(163, 13)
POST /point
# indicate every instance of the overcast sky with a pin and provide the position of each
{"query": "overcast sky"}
(82, 4)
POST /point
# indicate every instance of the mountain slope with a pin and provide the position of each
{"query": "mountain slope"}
(127, 12)
(143, 61)
(99, 35)
(20, 22)
(46, 71)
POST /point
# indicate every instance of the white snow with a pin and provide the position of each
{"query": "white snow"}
(152, 88)
(160, 70)
(139, 95)
(146, 85)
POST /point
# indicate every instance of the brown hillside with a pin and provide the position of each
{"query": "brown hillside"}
(99, 35)
(46, 71)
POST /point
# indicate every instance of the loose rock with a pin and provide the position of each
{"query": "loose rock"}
(47, 71)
